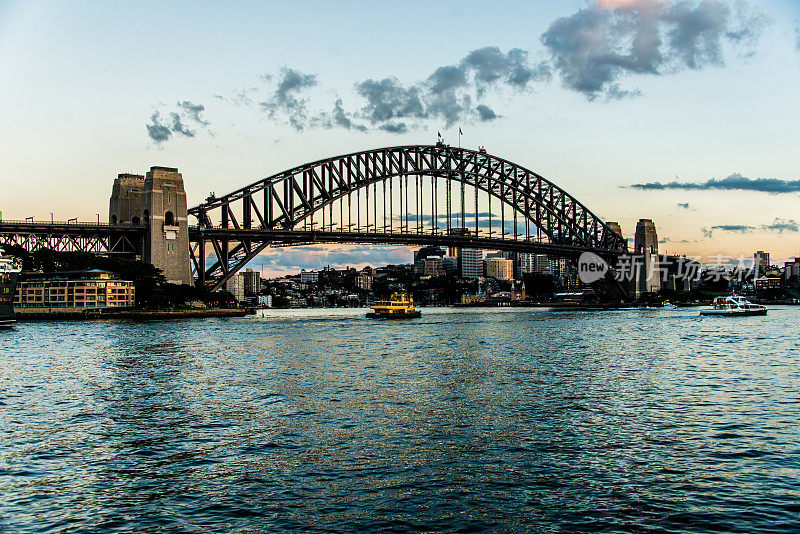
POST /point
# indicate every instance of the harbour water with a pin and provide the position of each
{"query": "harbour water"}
(463, 420)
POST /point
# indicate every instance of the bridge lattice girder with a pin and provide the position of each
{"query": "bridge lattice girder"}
(270, 207)
(72, 237)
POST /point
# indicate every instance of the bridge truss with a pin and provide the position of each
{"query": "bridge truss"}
(73, 237)
(422, 194)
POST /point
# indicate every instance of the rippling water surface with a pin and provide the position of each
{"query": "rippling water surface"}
(463, 420)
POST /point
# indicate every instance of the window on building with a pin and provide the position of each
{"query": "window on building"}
(169, 219)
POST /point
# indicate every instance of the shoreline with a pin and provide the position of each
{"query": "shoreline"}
(24, 315)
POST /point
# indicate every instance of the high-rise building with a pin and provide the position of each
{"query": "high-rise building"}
(761, 262)
(648, 275)
(252, 282)
(471, 263)
(235, 286)
(500, 268)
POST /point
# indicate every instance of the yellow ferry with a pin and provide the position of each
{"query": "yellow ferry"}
(399, 306)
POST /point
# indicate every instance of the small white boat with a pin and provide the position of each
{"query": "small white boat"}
(734, 306)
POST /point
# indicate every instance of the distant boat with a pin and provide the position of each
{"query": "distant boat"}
(9, 274)
(399, 306)
(734, 306)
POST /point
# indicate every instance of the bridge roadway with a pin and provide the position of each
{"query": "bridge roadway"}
(73, 236)
(306, 237)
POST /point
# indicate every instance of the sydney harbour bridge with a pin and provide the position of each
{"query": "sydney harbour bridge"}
(405, 195)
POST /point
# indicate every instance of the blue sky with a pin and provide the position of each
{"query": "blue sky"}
(716, 98)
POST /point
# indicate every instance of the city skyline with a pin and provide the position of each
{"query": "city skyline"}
(692, 125)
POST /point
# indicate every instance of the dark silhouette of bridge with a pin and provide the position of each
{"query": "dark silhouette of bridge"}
(405, 195)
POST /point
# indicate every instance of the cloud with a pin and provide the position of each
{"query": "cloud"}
(486, 113)
(193, 111)
(157, 131)
(684, 205)
(388, 99)
(394, 127)
(447, 94)
(178, 126)
(490, 66)
(782, 225)
(596, 46)
(733, 182)
(738, 228)
(286, 101)
(778, 225)
(186, 113)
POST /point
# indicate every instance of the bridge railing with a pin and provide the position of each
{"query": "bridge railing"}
(83, 224)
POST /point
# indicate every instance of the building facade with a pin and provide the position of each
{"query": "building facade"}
(235, 286)
(252, 282)
(792, 268)
(309, 277)
(500, 268)
(77, 290)
(471, 263)
(761, 262)
(648, 274)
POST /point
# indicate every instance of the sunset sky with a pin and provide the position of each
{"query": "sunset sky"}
(685, 112)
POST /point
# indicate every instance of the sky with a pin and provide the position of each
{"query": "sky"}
(682, 111)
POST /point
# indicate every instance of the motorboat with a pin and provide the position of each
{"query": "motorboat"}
(734, 306)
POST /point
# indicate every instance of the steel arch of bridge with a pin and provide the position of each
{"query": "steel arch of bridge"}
(276, 209)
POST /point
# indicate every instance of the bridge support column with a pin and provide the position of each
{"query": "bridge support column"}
(167, 243)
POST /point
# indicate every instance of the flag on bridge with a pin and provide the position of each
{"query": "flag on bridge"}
(459, 131)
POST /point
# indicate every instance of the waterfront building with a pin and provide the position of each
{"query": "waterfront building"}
(500, 268)
(471, 263)
(768, 283)
(252, 282)
(75, 290)
(472, 299)
(760, 263)
(648, 275)
(265, 301)
(309, 277)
